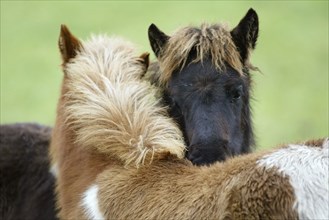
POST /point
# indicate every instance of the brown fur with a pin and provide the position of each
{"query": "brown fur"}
(174, 189)
(314, 142)
(311, 143)
(68, 50)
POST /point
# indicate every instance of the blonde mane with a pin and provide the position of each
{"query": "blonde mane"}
(109, 108)
(212, 41)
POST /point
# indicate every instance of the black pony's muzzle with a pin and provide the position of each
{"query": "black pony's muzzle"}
(208, 152)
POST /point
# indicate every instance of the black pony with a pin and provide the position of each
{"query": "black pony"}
(204, 73)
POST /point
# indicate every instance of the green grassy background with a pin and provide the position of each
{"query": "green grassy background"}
(291, 96)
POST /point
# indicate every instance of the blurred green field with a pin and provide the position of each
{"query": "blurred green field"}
(290, 95)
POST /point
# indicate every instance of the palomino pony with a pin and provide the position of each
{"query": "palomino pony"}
(120, 157)
(27, 184)
(204, 73)
(103, 100)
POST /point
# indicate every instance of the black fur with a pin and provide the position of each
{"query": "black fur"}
(157, 39)
(26, 186)
(245, 34)
(213, 111)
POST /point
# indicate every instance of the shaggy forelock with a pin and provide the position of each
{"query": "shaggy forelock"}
(111, 109)
(209, 41)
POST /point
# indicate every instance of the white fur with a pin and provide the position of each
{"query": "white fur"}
(54, 170)
(308, 171)
(90, 203)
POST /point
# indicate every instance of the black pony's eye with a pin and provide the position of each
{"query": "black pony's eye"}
(187, 84)
(236, 93)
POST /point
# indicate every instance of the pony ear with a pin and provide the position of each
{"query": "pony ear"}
(145, 60)
(245, 34)
(68, 44)
(157, 39)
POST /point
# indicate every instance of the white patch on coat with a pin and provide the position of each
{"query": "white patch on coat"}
(54, 170)
(308, 172)
(90, 203)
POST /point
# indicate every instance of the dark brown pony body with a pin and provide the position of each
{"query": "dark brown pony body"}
(204, 73)
(26, 183)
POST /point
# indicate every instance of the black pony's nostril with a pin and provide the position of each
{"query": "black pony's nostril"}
(208, 152)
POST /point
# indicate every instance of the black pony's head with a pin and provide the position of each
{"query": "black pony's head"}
(205, 77)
